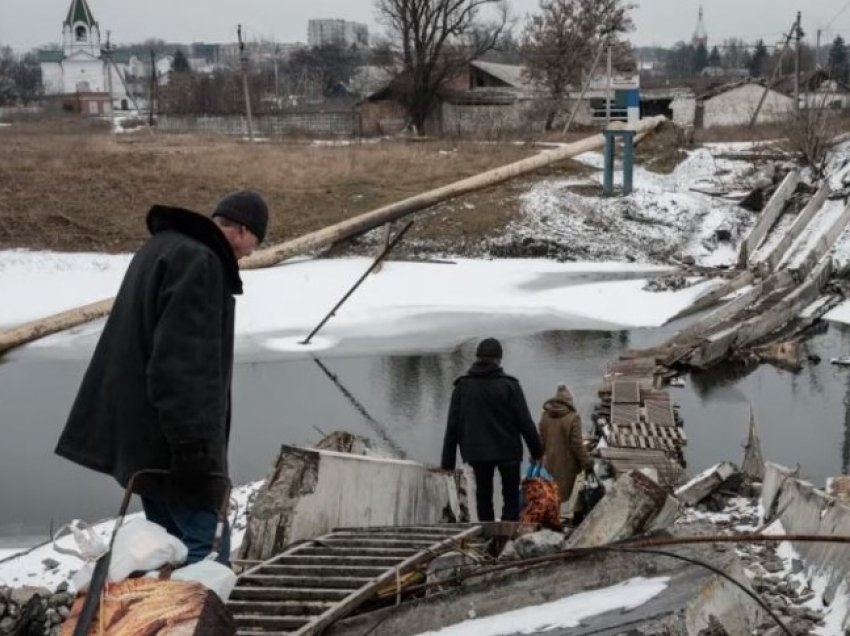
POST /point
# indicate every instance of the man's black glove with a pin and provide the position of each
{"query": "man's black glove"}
(191, 462)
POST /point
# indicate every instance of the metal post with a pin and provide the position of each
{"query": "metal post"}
(384, 253)
(628, 159)
(608, 167)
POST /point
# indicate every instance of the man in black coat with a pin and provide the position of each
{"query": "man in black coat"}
(156, 393)
(489, 418)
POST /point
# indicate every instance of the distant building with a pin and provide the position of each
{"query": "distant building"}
(342, 32)
(700, 36)
(82, 71)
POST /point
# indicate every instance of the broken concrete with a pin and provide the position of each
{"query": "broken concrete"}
(692, 597)
(804, 509)
(753, 464)
(628, 507)
(768, 216)
(310, 492)
(705, 483)
(538, 544)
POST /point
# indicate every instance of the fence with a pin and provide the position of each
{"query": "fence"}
(335, 124)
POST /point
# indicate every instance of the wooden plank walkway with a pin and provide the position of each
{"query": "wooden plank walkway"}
(312, 584)
(637, 419)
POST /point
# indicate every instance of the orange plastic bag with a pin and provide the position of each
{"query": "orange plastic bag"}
(541, 498)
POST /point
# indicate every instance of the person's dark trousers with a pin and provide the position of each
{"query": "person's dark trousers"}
(193, 526)
(509, 472)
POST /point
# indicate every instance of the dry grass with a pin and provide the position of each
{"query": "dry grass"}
(66, 190)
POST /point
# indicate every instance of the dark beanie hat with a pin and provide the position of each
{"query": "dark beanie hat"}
(247, 208)
(489, 348)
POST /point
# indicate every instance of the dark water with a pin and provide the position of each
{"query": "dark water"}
(803, 417)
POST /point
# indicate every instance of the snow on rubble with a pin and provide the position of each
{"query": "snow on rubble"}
(666, 215)
(563, 613)
(44, 566)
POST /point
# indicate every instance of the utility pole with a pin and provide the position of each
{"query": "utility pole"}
(276, 76)
(244, 59)
(773, 74)
(152, 89)
(584, 88)
(608, 91)
(799, 36)
(817, 51)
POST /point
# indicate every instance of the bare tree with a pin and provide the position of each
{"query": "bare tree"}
(434, 41)
(560, 43)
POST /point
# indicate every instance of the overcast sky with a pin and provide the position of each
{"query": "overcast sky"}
(25, 24)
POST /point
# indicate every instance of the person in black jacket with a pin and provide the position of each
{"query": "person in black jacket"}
(488, 419)
(156, 393)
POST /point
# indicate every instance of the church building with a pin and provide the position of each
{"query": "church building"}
(82, 73)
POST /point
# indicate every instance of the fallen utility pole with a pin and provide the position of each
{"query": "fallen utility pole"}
(33, 330)
(369, 220)
(384, 253)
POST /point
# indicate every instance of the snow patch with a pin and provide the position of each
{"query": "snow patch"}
(563, 613)
(30, 567)
(441, 304)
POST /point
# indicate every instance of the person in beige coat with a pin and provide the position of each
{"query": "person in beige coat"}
(563, 451)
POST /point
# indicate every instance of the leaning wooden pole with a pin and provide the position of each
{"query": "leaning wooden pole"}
(22, 334)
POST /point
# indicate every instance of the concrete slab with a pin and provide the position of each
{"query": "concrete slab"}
(692, 596)
(705, 483)
(309, 492)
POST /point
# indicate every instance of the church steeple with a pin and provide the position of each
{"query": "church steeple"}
(700, 34)
(80, 30)
(79, 11)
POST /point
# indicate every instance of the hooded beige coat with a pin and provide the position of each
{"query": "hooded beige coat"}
(563, 451)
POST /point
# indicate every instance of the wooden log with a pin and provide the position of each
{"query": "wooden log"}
(36, 329)
(273, 255)
(369, 220)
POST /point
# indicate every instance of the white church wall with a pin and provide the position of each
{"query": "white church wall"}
(83, 75)
(51, 78)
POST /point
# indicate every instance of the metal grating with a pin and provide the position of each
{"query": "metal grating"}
(313, 584)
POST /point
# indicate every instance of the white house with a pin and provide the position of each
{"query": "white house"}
(81, 70)
(734, 105)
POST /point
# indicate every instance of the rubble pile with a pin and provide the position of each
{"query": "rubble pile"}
(666, 283)
(733, 507)
(34, 610)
